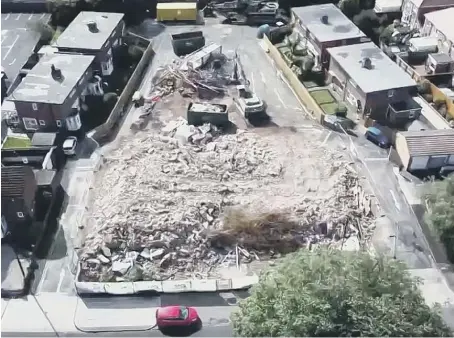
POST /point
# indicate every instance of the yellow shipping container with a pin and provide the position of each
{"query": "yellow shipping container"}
(177, 11)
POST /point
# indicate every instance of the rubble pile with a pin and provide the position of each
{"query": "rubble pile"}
(168, 207)
(219, 72)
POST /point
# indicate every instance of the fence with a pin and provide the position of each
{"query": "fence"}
(301, 92)
(105, 129)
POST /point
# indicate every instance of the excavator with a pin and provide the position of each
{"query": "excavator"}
(250, 12)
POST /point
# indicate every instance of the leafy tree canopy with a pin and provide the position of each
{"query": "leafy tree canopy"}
(330, 293)
(440, 199)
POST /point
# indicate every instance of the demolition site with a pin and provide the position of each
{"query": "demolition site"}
(208, 183)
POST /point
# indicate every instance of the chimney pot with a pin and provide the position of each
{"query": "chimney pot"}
(324, 19)
(92, 26)
(56, 73)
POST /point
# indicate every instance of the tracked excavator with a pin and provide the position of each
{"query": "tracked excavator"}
(250, 12)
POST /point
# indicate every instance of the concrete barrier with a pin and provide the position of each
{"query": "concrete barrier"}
(301, 92)
(102, 131)
(168, 286)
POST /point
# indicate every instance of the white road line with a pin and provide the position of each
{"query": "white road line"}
(7, 17)
(263, 77)
(280, 98)
(396, 203)
(12, 62)
(252, 82)
(11, 47)
(60, 282)
(326, 138)
(30, 17)
(18, 16)
(42, 16)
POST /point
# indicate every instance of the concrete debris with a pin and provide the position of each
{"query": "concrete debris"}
(167, 209)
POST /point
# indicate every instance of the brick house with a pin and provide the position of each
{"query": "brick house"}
(47, 99)
(325, 26)
(413, 11)
(93, 33)
(356, 73)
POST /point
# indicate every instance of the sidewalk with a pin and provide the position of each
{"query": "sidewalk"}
(73, 315)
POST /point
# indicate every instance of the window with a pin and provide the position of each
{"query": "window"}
(391, 93)
(58, 123)
(30, 123)
(42, 122)
(34, 106)
(184, 312)
(20, 214)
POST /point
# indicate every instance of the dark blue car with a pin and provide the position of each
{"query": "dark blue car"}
(376, 136)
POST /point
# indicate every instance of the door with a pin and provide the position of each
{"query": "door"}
(436, 162)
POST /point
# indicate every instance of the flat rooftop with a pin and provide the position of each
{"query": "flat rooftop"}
(339, 27)
(78, 36)
(370, 80)
(39, 85)
(18, 40)
(442, 20)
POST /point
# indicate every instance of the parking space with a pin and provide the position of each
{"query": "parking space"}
(18, 40)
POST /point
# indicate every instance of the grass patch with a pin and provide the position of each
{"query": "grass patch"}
(16, 142)
(322, 96)
(329, 108)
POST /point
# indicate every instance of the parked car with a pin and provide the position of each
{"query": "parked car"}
(69, 146)
(376, 136)
(177, 317)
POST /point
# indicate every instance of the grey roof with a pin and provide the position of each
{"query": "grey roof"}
(442, 21)
(339, 27)
(442, 58)
(43, 139)
(39, 86)
(44, 177)
(430, 142)
(384, 75)
(78, 36)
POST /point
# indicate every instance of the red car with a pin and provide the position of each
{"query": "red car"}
(176, 316)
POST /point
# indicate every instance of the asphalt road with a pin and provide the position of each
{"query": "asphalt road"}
(212, 331)
(18, 40)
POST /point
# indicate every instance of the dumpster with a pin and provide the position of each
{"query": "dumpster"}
(200, 113)
(176, 11)
(186, 43)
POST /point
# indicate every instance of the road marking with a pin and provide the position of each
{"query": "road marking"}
(263, 77)
(252, 82)
(42, 16)
(11, 47)
(396, 203)
(12, 62)
(18, 16)
(371, 159)
(326, 138)
(62, 277)
(280, 98)
(7, 17)
(30, 17)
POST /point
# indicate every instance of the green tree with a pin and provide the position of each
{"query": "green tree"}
(440, 199)
(332, 293)
(349, 7)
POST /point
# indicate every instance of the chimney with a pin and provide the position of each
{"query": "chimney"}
(92, 27)
(56, 73)
(366, 63)
(324, 19)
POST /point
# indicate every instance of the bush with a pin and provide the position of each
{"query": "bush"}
(332, 293)
(440, 199)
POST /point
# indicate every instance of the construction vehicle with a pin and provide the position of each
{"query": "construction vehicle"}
(199, 113)
(176, 11)
(251, 12)
(250, 105)
(187, 43)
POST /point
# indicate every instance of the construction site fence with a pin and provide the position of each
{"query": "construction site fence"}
(300, 90)
(105, 129)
